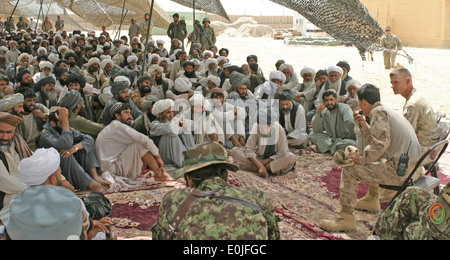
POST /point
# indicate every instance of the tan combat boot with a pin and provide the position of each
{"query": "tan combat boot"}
(344, 223)
(368, 203)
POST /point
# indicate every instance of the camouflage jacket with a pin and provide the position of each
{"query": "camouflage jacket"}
(416, 215)
(214, 219)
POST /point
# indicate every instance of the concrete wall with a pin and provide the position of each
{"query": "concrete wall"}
(418, 23)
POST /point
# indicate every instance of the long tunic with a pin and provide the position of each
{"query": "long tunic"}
(334, 130)
(10, 183)
(120, 149)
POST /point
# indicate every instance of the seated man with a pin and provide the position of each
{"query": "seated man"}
(78, 161)
(143, 122)
(267, 149)
(333, 125)
(388, 136)
(13, 149)
(292, 119)
(206, 169)
(208, 129)
(306, 93)
(416, 215)
(121, 150)
(74, 104)
(174, 133)
(46, 93)
(268, 89)
(121, 93)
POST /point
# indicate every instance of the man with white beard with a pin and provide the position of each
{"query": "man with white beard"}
(306, 93)
(93, 73)
(174, 133)
(133, 68)
(46, 68)
(212, 67)
(334, 82)
(291, 82)
(46, 93)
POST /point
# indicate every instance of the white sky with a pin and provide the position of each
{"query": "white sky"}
(236, 7)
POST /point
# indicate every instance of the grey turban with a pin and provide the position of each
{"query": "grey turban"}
(71, 100)
(118, 87)
(238, 79)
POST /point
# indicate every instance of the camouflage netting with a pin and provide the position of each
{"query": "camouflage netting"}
(97, 12)
(210, 6)
(346, 20)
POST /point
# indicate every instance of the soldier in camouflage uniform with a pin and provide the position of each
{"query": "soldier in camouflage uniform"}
(393, 44)
(143, 28)
(207, 35)
(382, 142)
(210, 209)
(416, 215)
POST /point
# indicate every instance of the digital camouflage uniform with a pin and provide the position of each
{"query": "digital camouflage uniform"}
(393, 44)
(212, 218)
(416, 215)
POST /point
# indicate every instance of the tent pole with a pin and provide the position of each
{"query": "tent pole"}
(122, 17)
(146, 41)
(193, 9)
(14, 10)
(37, 21)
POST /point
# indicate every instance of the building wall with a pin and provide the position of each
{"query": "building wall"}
(418, 23)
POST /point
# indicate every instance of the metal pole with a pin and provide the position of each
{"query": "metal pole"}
(14, 8)
(193, 8)
(122, 17)
(146, 41)
(37, 21)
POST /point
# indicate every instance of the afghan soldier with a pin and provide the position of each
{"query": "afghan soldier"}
(416, 215)
(388, 136)
(213, 210)
(393, 44)
(177, 30)
(133, 31)
(207, 35)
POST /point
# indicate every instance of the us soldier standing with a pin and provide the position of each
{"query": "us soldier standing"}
(143, 28)
(393, 44)
(416, 215)
(210, 209)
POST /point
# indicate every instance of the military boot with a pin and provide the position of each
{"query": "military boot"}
(344, 223)
(369, 203)
(386, 196)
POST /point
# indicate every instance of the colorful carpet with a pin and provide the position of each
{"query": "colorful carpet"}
(301, 199)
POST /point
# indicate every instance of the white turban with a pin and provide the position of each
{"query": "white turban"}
(307, 70)
(131, 58)
(209, 61)
(183, 84)
(276, 74)
(45, 64)
(106, 61)
(354, 83)
(94, 60)
(152, 56)
(35, 170)
(161, 106)
(214, 79)
(153, 68)
(286, 66)
(335, 69)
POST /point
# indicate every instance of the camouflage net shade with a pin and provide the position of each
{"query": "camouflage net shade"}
(97, 12)
(210, 6)
(346, 20)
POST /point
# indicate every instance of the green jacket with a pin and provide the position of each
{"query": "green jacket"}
(177, 31)
(215, 219)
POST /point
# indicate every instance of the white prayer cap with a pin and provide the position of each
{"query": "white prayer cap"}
(276, 74)
(161, 106)
(131, 58)
(45, 64)
(35, 170)
(335, 69)
(307, 70)
(183, 84)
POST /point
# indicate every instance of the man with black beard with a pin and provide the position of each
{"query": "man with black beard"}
(45, 92)
(144, 89)
(121, 93)
(92, 72)
(142, 123)
(61, 74)
(190, 74)
(24, 80)
(78, 160)
(292, 119)
(73, 61)
(34, 117)
(333, 125)
(159, 85)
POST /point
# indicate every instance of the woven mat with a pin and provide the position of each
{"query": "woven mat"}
(300, 198)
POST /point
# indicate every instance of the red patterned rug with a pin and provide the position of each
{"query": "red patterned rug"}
(300, 198)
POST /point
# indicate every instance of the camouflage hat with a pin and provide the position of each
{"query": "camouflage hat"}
(203, 155)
